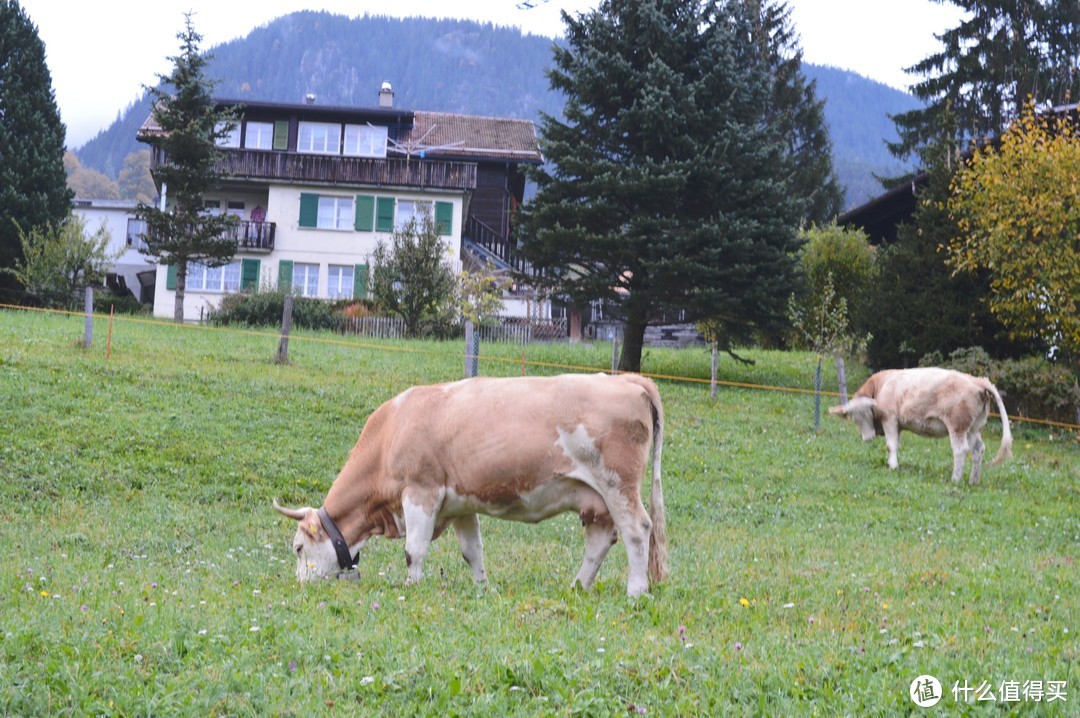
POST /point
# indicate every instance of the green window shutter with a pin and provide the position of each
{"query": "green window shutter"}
(360, 280)
(384, 214)
(444, 217)
(365, 213)
(249, 274)
(170, 277)
(281, 135)
(309, 209)
(284, 275)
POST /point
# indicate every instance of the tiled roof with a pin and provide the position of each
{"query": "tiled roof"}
(470, 136)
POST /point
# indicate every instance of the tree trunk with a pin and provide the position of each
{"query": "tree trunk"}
(633, 340)
(181, 285)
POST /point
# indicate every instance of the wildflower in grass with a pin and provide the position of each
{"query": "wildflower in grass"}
(44, 594)
(738, 646)
(292, 666)
(744, 603)
(375, 606)
(682, 633)
(367, 680)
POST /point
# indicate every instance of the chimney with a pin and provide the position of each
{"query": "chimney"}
(386, 95)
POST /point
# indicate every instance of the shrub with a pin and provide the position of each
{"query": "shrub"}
(265, 309)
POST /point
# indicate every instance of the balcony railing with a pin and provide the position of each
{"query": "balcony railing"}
(255, 236)
(291, 167)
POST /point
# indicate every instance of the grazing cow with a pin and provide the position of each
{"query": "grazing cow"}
(930, 402)
(522, 449)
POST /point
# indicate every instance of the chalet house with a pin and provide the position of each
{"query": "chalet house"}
(317, 187)
(132, 272)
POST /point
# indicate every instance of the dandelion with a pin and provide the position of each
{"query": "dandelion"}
(43, 594)
(744, 603)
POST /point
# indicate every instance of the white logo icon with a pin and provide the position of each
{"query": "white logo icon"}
(925, 691)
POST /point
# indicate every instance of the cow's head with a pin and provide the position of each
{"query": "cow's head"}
(860, 410)
(316, 556)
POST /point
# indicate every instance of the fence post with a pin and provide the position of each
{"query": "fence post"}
(286, 327)
(88, 305)
(615, 353)
(472, 350)
(715, 367)
(817, 395)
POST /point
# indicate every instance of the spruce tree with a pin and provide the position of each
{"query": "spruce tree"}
(190, 125)
(1001, 55)
(669, 185)
(33, 184)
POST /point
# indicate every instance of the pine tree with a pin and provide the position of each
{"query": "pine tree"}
(33, 185)
(669, 186)
(1002, 54)
(190, 125)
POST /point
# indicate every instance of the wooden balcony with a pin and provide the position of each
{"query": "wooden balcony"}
(294, 168)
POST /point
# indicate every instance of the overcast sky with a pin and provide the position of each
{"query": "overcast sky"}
(100, 54)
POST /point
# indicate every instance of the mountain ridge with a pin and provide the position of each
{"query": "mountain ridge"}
(467, 67)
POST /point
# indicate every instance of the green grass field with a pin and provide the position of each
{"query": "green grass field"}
(145, 572)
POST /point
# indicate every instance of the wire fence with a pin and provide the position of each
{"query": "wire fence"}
(474, 355)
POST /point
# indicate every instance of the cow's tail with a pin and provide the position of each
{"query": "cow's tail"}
(658, 545)
(1006, 435)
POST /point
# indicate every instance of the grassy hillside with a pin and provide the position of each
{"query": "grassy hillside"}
(465, 67)
(146, 573)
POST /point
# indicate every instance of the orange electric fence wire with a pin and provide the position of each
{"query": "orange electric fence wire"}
(488, 358)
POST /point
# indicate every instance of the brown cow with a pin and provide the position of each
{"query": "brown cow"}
(522, 449)
(930, 402)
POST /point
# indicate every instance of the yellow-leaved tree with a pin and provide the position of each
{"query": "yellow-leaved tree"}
(1018, 209)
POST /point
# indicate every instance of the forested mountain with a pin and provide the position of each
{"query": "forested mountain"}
(466, 67)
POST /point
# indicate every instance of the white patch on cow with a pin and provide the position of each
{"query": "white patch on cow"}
(589, 467)
(313, 559)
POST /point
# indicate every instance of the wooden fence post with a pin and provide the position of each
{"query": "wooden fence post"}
(715, 367)
(88, 305)
(615, 353)
(286, 327)
(472, 350)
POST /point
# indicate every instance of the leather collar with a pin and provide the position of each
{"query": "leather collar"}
(345, 561)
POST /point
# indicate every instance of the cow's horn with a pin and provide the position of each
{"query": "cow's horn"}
(297, 514)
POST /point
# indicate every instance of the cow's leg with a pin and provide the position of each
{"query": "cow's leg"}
(419, 528)
(891, 429)
(978, 448)
(634, 524)
(600, 536)
(959, 441)
(467, 529)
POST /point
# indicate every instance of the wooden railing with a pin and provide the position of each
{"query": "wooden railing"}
(289, 167)
(255, 236)
(497, 244)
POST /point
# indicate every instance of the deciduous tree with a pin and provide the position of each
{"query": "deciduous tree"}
(1018, 212)
(58, 260)
(410, 276)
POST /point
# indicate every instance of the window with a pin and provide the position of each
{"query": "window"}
(339, 281)
(322, 138)
(305, 279)
(260, 136)
(408, 209)
(335, 213)
(365, 141)
(230, 138)
(201, 278)
(135, 229)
